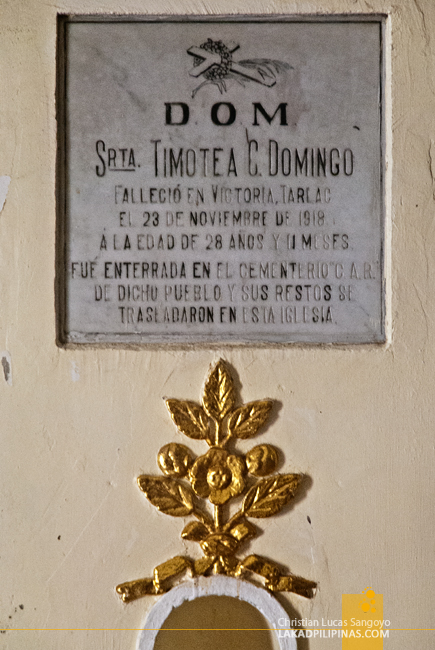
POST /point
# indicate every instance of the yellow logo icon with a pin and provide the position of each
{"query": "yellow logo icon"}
(368, 604)
(362, 618)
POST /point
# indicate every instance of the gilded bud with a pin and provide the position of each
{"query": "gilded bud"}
(174, 459)
(262, 460)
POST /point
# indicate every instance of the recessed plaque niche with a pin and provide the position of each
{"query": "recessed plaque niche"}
(221, 180)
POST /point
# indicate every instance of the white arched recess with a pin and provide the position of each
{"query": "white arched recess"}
(259, 598)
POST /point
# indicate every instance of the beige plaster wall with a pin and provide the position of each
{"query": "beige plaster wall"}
(77, 426)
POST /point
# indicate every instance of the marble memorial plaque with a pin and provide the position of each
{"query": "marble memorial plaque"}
(221, 181)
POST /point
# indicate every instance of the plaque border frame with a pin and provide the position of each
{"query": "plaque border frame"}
(136, 341)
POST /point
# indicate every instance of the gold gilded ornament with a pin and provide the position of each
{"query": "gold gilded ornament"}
(262, 460)
(174, 460)
(218, 476)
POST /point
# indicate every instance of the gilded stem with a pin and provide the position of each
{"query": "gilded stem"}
(217, 433)
(217, 518)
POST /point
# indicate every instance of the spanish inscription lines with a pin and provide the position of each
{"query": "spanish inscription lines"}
(202, 221)
(209, 220)
(221, 194)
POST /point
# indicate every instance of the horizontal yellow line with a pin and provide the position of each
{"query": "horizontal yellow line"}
(138, 629)
(197, 629)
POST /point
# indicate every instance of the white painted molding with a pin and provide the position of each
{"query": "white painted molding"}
(259, 598)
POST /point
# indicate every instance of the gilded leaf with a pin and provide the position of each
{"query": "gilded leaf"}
(297, 585)
(247, 420)
(202, 565)
(270, 495)
(171, 568)
(195, 531)
(189, 417)
(219, 394)
(167, 495)
(134, 589)
(243, 531)
(261, 566)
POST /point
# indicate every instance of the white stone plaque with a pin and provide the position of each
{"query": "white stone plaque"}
(221, 181)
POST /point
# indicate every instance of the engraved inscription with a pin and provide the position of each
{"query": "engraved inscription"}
(227, 188)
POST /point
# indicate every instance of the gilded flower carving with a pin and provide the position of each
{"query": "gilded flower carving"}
(217, 476)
